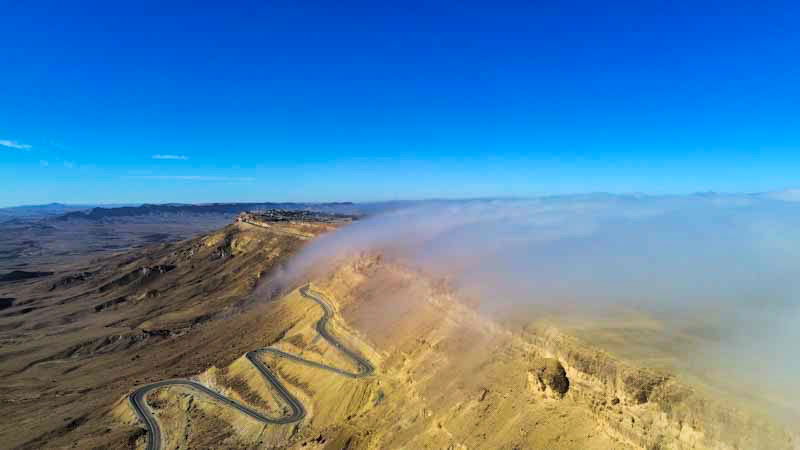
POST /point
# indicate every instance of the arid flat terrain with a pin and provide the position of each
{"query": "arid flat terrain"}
(74, 345)
(52, 236)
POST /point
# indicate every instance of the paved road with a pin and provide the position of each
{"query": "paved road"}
(139, 403)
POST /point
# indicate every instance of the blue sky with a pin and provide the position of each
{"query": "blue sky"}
(330, 101)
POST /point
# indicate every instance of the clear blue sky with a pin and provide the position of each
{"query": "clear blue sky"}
(328, 101)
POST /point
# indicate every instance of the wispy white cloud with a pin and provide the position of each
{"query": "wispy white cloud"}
(69, 164)
(44, 162)
(192, 178)
(14, 144)
(787, 195)
(179, 157)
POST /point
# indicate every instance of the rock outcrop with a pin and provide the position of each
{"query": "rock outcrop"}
(549, 377)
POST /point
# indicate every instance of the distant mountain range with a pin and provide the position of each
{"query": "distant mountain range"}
(34, 212)
(101, 213)
(59, 212)
(39, 211)
(64, 212)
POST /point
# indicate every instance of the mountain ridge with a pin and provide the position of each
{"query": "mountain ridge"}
(101, 213)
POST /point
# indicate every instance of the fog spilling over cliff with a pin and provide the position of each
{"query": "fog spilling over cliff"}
(733, 259)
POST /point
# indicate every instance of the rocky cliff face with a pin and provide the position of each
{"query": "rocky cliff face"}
(653, 409)
(423, 328)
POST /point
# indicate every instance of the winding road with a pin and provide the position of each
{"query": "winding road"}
(139, 403)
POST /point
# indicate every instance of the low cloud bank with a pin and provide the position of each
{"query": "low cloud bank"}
(176, 157)
(733, 259)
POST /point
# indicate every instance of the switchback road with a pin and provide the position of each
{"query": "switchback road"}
(139, 404)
